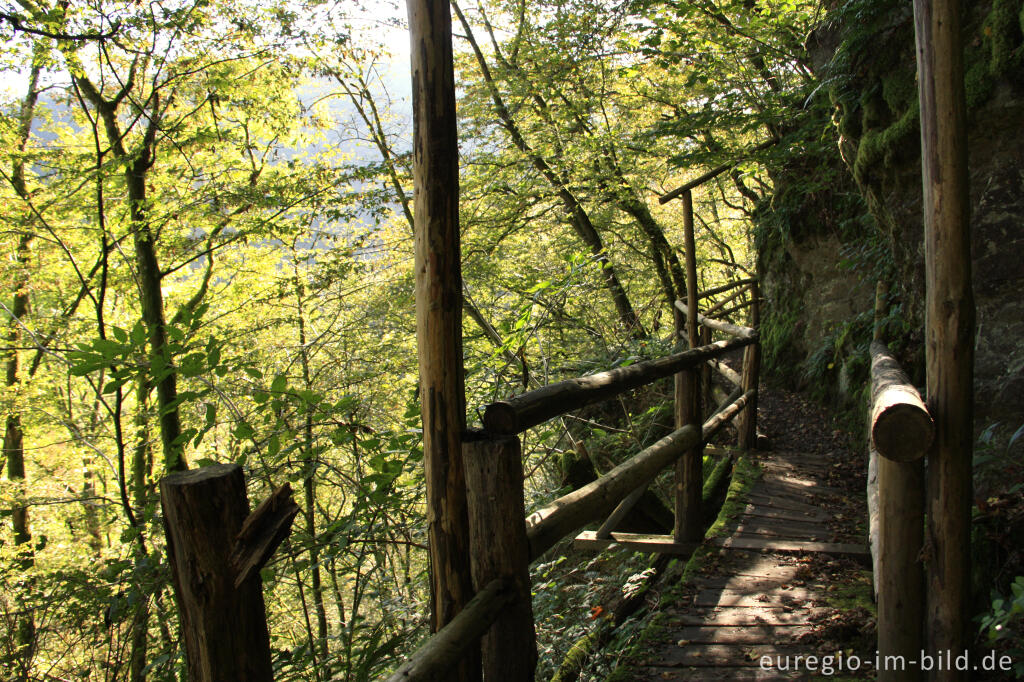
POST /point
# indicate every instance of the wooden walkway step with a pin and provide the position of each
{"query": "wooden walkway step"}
(758, 601)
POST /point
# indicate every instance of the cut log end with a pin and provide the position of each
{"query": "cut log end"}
(501, 419)
(902, 432)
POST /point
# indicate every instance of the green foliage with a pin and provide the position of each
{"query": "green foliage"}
(1003, 625)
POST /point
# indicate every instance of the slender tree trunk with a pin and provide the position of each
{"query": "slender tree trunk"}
(14, 435)
(137, 164)
(308, 485)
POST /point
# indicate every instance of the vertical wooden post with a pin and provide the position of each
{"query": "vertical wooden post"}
(689, 470)
(949, 323)
(215, 559)
(747, 428)
(439, 310)
(705, 375)
(901, 431)
(497, 527)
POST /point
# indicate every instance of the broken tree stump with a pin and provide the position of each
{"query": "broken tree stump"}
(216, 549)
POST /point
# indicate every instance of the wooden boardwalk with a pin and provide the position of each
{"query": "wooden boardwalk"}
(760, 596)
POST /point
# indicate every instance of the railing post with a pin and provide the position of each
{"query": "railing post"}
(435, 166)
(901, 432)
(689, 478)
(499, 549)
(747, 427)
(216, 548)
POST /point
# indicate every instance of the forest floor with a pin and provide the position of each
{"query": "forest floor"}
(744, 598)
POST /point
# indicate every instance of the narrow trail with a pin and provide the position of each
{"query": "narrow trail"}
(770, 589)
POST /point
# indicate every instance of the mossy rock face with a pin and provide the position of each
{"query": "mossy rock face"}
(865, 56)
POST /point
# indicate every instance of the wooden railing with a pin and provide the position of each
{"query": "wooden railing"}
(505, 541)
(902, 430)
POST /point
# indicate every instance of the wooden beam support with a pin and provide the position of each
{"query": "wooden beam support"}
(494, 484)
(725, 301)
(589, 540)
(517, 414)
(684, 189)
(547, 526)
(726, 371)
(949, 325)
(721, 289)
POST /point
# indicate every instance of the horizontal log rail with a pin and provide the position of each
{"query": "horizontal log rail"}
(722, 326)
(721, 289)
(732, 309)
(728, 299)
(545, 527)
(445, 647)
(901, 426)
(726, 371)
(517, 414)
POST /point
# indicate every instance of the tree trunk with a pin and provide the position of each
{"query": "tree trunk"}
(308, 484)
(149, 276)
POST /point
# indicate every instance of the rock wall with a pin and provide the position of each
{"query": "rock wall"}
(865, 55)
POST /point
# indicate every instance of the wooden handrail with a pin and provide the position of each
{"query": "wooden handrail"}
(545, 527)
(901, 426)
(731, 297)
(901, 431)
(726, 371)
(722, 326)
(721, 289)
(508, 417)
(445, 647)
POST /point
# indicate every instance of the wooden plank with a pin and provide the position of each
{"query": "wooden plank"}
(749, 617)
(663, 544)
(720, 655)
(729, 673)
(788, 504)
(752, 598)
(763, 634)
(784, 514)
(792, 546)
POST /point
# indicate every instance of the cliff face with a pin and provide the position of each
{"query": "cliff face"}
(865, 58)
